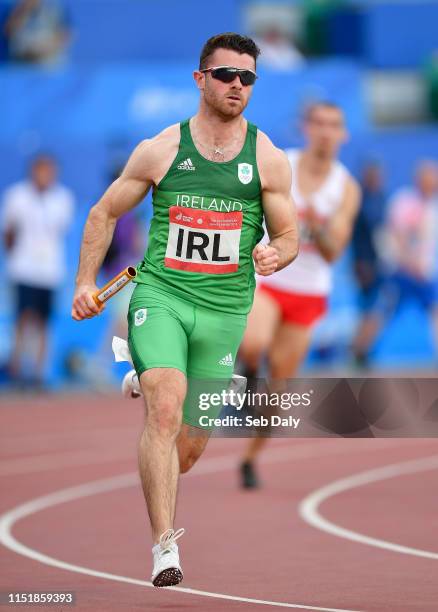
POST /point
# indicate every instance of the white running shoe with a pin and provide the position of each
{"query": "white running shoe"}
(167, 570)
(131, 386)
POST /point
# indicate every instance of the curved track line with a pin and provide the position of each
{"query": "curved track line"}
(309, 507)
(9, 519)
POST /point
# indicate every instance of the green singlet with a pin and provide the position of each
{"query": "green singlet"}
(196, 283)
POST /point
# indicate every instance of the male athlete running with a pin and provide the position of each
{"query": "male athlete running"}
(288, 304)
(213, 177)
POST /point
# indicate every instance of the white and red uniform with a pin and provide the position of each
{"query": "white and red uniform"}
(301, 289)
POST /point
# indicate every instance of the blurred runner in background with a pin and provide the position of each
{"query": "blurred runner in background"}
(289, 303)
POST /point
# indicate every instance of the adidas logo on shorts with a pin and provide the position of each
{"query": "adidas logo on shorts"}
(227, 360)
(186, 165)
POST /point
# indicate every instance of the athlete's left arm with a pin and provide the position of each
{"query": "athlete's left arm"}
(332, 237)
(279, 210)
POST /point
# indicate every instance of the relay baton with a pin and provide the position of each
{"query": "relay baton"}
(114, 285)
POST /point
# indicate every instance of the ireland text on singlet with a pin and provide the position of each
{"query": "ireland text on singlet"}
(207, 218)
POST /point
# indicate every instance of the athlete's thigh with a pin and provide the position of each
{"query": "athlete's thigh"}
(156, 335)
(288, 349)
(213, 345)
(263, 321)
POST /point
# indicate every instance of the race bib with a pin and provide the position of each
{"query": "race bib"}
(307, 241)
(203, 241)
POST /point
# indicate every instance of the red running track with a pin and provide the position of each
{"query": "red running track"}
(250, 545)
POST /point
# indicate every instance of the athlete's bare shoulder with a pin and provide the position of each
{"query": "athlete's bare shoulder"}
(272, 162)
(169, 137)
(352, 188)
(152, 157)
(353, 183)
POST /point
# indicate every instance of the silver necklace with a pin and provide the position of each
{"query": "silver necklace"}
(215, 151)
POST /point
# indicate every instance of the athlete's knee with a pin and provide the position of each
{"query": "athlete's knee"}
(164, 398)
(283, 364)
(279, 368)
(276, 363)
(163, 410)
(164, 418)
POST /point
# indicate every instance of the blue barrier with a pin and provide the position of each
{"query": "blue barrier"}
(133, 30)
(400, 34)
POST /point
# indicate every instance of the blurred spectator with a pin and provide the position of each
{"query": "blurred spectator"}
(367, 265)
(37, 31)
(36, 214)
(411, 237)
(277, 50)
(412, 219)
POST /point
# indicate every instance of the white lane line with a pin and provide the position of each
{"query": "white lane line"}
(309, 507)
(213, 465)
(57, 461)
(96, 455)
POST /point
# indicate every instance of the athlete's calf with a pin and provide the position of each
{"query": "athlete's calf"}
(191, 444)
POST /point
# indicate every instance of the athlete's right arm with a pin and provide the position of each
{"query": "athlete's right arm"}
(144, 168)
(278, 207)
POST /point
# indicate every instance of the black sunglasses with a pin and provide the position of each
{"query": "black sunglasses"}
(227, 74)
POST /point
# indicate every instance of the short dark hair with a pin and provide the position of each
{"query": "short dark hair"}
(228, 40)
(310, 108)
(43, 157)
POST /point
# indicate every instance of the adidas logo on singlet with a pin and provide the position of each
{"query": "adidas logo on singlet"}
(186, 165)
(227, 360)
